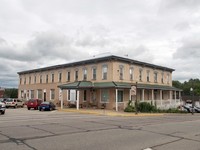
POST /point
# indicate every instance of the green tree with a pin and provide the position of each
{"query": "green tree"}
(11, 93)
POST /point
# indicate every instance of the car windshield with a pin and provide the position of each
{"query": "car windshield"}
(9, 100)
(45, 103)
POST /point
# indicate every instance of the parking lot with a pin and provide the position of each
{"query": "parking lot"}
(23, 129)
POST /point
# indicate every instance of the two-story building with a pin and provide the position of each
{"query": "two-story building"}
(109, 81)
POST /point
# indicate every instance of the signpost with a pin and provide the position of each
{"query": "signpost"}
(134, 93)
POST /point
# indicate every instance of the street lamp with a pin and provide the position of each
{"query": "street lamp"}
(192, 93)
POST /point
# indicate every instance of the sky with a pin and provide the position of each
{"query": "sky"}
(35, 34)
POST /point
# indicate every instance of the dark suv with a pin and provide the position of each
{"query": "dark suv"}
(33, 103)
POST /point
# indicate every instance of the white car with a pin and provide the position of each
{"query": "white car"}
(2, 107)
(10, 102)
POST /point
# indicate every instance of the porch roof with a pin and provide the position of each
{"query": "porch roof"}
(123, 85)
(88, 85)
(158, 87)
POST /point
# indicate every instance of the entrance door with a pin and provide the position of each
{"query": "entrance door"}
(44, 96)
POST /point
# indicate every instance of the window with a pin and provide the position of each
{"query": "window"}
(94, 73)
(162, 78)
(72, 95)
(32, 94)
(168, 79)
(84, 74)
(68, 76)
(140, 74)
(20, 82)
(131, 73)
(30, 80)
(148, 76)
(40, 78)
(121, 71)
(104, 72)
(155, 77)
(76, 75)
(25, 80)
(85, 95)
(68, 95)
(120, 95)
(35, 79)
(39, 93)
(59, 76)
(47, 78)
(52, 96)
(104, 95)
(52, 78)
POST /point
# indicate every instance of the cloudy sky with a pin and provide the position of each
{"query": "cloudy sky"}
(35, 33)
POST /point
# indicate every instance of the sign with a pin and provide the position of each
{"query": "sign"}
(133, 90)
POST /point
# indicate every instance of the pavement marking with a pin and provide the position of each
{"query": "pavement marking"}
(147, 149)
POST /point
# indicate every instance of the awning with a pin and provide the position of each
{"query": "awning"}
(119, 85)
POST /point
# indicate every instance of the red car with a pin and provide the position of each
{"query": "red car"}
(33, 103)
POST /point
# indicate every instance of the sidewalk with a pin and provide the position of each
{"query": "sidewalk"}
(108, 112)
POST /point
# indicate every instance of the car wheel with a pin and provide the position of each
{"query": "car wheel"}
(3, 112)
(28, 108)
(22, 105)
(50, 109)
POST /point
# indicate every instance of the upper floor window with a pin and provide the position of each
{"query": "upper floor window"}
(155, 77)
(168, 78)
(30, 80)
(104, 72)
(76, 75)
(162, 77)
(35, 79)
(140, 75)
(40, 78)
(94, 73)
(47, 78)
(52, 78)
(68, 76)
(84, 74)
(59, 76)
(148, 76)
(20, 80)
(131, 73)
(25, 80)
(121, 72)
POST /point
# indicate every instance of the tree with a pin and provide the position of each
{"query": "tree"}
(11, 93)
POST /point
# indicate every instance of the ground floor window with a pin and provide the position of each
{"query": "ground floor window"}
(39, 93)
(22, 93)
(32, 93)
(72, 95)
(120, 95)
(52, 94)
(104, 95)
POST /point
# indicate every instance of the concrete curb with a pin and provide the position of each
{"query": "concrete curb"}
(110, 113)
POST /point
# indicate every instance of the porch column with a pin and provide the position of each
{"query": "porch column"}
(116, 103)
(152, 98)
(161, 97)
(77, 101)
(61, 98)
(143, 95)
(170, 97)
(175, 95)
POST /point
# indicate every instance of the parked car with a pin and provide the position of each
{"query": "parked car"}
(197, 109)
(12, 102)
(2, 107)
(3, 100)
(33, 103)
(47, 106)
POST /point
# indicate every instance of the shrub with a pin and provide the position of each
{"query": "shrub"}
(146, 107)
(130, 107)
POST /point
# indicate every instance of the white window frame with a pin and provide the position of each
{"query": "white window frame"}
(104, 68)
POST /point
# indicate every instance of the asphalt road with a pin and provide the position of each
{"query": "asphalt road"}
(21, 129)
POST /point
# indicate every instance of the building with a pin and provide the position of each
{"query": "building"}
(109, 81)
(2, 91)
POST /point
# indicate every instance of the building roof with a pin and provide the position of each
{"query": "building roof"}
(122, 85)
(95, 60)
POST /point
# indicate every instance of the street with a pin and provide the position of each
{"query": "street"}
(21, 129)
